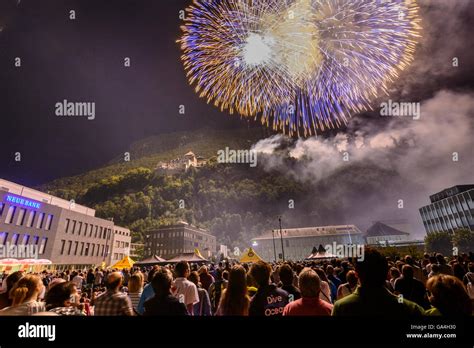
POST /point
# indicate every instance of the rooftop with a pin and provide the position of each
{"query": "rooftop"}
(450, 192)
(312, 231)
(381, 229)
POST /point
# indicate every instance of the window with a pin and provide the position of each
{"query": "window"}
(10, 215)
(73, 226)
(39, 223)
(100, 232)
(92, 250)
(21, 217)
(69, 247)
(36, 240)
(3, 237)
(63, 242)
(1, 208)
(26, 239)
(15, 239)
(76, 245)
(102, 252)
(79, 227)
(68, 222)
(86, 252)
(82, 248)
(86, 227)
(90, 230)
(49, 221)
(44, 241)
(96, 229)
(31, 218)
(98, 249)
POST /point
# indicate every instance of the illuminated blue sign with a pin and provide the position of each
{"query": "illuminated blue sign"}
(23, 201)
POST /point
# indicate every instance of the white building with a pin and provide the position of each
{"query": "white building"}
(299, 242)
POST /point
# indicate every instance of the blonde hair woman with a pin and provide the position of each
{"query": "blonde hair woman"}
(24, 296)
(135, 289)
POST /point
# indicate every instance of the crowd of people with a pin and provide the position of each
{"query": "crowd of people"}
(371, 286)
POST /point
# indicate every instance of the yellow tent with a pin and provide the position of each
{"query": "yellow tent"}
(198, 253)
(126, 262)
(250, 256)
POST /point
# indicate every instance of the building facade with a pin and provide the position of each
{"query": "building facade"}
(170, 241)
(299, 242)
(450, 209)
(66, 233)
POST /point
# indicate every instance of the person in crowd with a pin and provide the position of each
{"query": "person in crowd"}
(345, 267)
(135, 289)
(435, 270)
(216, 289)
(286, 277)
(183, 289)
(325, 293)
(417, 271)
(269, 299)
(348, 288)
(90, 277)
(78, 280)
(394, 275)
(205, 278)
(10, 281)
(372, 298)
(148, 292)
(411, 288)
(310, 303)
(24, 295)
(113, 302)
(234, 300)
(448, 296)
(458, 270)
(203, 307)
(336, 282)
(63, 299)
(469, 276)
(163, 303)
(444, 268)
(98, 277)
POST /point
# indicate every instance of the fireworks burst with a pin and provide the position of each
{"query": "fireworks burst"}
(302, 65)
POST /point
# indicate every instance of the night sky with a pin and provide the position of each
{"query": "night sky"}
(83, 60)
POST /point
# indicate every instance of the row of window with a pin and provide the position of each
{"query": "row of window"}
(118, 256)
(122, 233)
(27, 239)
(84, 228)
(25, 217)
(181, 234)
(121, 244)
(76, 248)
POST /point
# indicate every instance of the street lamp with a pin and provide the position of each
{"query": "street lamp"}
(281, 237)
(274, 246)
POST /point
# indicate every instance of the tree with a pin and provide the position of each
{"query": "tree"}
(439, 242)
(463, 239)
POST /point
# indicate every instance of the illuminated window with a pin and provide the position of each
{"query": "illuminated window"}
(3, 237)
(15, 239)
(31, 218)
(26, 239)
(21, 217)
(49, 221)
(10, 215)
(39, 223)
(44, 241)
